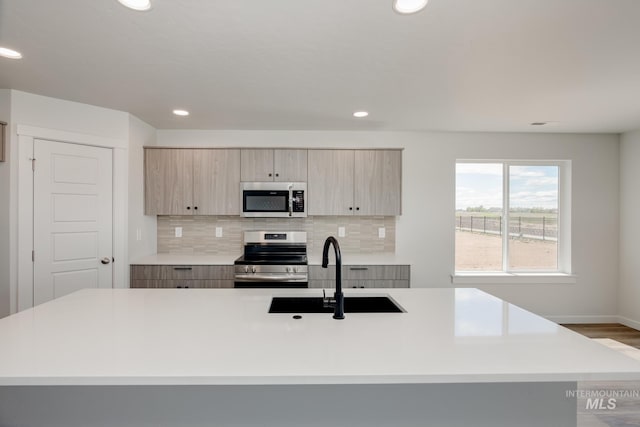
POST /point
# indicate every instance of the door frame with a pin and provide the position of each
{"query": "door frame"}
(23, 297)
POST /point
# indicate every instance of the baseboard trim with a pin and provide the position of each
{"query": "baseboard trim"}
(587, 319)
(629, 322)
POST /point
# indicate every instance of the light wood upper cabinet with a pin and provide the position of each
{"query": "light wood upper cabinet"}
(330, 184)
(290, 165)
(355, 182)
(168, 181)
(207, 181)
(216, 182)
(378, 182)
(256, 165)
(192, 181)
(273, 165)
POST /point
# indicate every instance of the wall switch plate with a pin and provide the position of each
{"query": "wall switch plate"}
(382, 232)
(218, 231)
(178, 231)
(341, 232)
(138, 234)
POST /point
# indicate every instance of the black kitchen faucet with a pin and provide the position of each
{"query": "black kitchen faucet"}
(338, 296)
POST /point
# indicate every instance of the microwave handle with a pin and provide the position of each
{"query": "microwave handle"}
(290, 199)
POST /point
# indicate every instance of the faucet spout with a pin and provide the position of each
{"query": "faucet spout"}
(339, 296)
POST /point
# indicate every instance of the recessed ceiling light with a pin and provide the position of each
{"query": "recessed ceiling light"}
(406, 7)
(10, 53)
(360, 114)
(181, 112)
(136, 4)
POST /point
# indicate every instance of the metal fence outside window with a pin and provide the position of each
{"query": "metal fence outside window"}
(525, 227)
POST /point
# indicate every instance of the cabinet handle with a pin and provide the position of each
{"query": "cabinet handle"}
(182, 268)
(270, 174)
(188, 208)
(358, 268)
(277, 174)
(350, 208)
(358, 208)
(196, 208)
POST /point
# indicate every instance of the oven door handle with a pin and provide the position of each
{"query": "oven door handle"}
(270, 278)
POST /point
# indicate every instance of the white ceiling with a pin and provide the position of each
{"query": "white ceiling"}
(466, 65)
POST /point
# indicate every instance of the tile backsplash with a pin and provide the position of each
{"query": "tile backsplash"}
(199, 233)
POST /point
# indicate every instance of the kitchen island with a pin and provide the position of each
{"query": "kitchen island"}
(192, 357)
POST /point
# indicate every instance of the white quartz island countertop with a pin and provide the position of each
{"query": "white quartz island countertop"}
(227, 337)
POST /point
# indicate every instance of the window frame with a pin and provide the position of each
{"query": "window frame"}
(563, 273)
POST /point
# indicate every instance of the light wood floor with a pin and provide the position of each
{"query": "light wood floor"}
(614, 331)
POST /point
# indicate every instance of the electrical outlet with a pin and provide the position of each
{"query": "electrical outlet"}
(341, 232)
(218, 231)
(178, 231)
(382, 232)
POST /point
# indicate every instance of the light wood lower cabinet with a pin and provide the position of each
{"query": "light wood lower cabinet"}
(361, 276)
(182, 276)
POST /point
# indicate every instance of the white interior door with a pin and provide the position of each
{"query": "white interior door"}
(73, 219)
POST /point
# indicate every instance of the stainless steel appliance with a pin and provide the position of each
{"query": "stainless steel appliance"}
(273, 199)
(273, 259)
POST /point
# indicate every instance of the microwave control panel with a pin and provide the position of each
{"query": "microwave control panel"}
(298, 201)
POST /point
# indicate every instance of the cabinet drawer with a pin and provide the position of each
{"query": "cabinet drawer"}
(369, 284)
(160, 284)
(187, 284)
(361, 272)
(182, 272)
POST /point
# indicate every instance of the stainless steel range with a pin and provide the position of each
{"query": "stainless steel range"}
(273, 259)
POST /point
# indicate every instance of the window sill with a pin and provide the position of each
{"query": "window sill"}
(512, 278)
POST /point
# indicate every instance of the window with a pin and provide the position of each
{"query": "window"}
(509, 217)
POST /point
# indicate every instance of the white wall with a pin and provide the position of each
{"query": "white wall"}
(5, 173)
(142, 229)
(629, 289)
(111, 127)
(425, 233)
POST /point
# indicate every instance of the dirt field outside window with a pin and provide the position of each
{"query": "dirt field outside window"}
(483, 252)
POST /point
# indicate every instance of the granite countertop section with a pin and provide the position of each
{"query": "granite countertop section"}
(227, 337)
(181, 259)
(380, 258)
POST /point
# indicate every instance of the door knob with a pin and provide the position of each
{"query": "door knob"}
(105, 260)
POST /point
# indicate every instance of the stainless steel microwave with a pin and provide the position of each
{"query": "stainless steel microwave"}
(273, 199)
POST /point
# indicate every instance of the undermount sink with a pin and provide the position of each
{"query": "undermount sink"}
(363, 304)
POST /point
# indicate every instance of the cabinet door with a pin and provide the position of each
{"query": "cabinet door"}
(216, 181)
(168, 181)
(378, 182)
(330, 183)
(290, 165)
(256, 165)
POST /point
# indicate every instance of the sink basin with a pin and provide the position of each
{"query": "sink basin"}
(363, 304)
